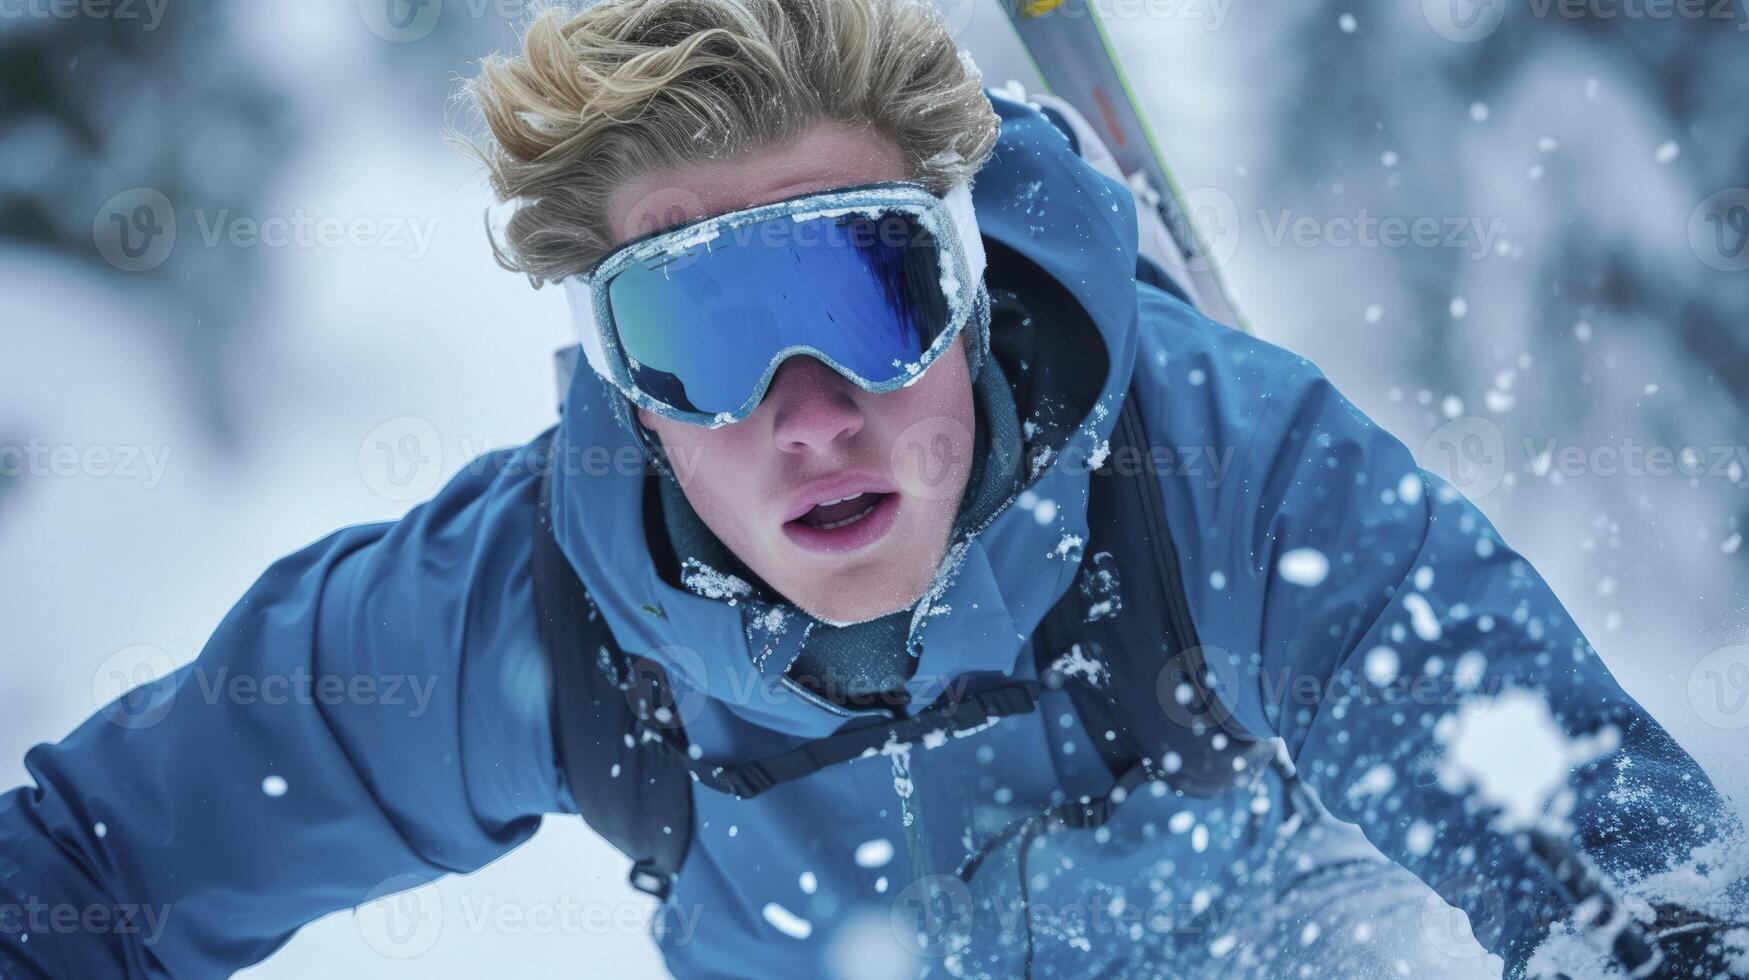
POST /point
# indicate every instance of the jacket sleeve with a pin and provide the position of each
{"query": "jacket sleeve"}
(1360, 605)
(370, 715)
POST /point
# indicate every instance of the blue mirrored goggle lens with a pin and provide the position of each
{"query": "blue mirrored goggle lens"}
(702, 326)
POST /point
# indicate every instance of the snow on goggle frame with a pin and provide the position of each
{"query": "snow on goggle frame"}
(692, 323)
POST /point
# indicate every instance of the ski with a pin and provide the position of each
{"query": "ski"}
(1073, 55)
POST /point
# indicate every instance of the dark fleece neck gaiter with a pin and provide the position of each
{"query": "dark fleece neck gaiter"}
(862, 661)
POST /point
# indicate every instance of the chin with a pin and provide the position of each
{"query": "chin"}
(865, 596)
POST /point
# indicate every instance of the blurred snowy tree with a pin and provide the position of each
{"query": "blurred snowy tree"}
(118, 122)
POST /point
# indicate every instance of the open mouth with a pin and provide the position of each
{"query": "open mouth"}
(842, 512)
(846, 523)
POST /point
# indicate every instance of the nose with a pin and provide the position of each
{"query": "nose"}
(812, 406)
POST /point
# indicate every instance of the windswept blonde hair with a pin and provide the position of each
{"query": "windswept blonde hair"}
(628, 87)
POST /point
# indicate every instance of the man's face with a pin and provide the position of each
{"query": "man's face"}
(772, 487)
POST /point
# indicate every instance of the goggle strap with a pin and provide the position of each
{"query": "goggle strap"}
(965, 221)
(581, 296)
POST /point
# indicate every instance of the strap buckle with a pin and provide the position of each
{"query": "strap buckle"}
(1009, 699)
(749, 780)
(1086, 816)
(646, 879)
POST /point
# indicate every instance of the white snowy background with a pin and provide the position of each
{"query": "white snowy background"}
(270, 375)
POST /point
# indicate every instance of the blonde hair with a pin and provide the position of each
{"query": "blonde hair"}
(637, 86)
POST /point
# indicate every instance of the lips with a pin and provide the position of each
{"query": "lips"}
(842, 513)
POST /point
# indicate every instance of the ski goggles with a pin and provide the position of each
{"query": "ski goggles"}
(692, 323)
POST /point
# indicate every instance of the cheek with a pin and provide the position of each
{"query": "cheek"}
(695, 453)
(704, 462)
(929, 427)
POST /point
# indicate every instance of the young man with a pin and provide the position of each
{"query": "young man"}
(873, 401)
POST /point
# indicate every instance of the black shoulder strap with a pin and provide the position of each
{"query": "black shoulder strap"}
(1124, 645)
(629, 787)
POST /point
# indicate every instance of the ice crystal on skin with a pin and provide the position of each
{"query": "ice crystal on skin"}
(712, 584)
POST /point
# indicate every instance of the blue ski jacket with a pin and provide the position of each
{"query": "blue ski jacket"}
(207, 827)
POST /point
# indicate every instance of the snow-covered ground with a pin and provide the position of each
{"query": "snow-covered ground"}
(353, 347)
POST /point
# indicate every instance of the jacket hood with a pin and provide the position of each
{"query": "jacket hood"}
(1042, 208)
